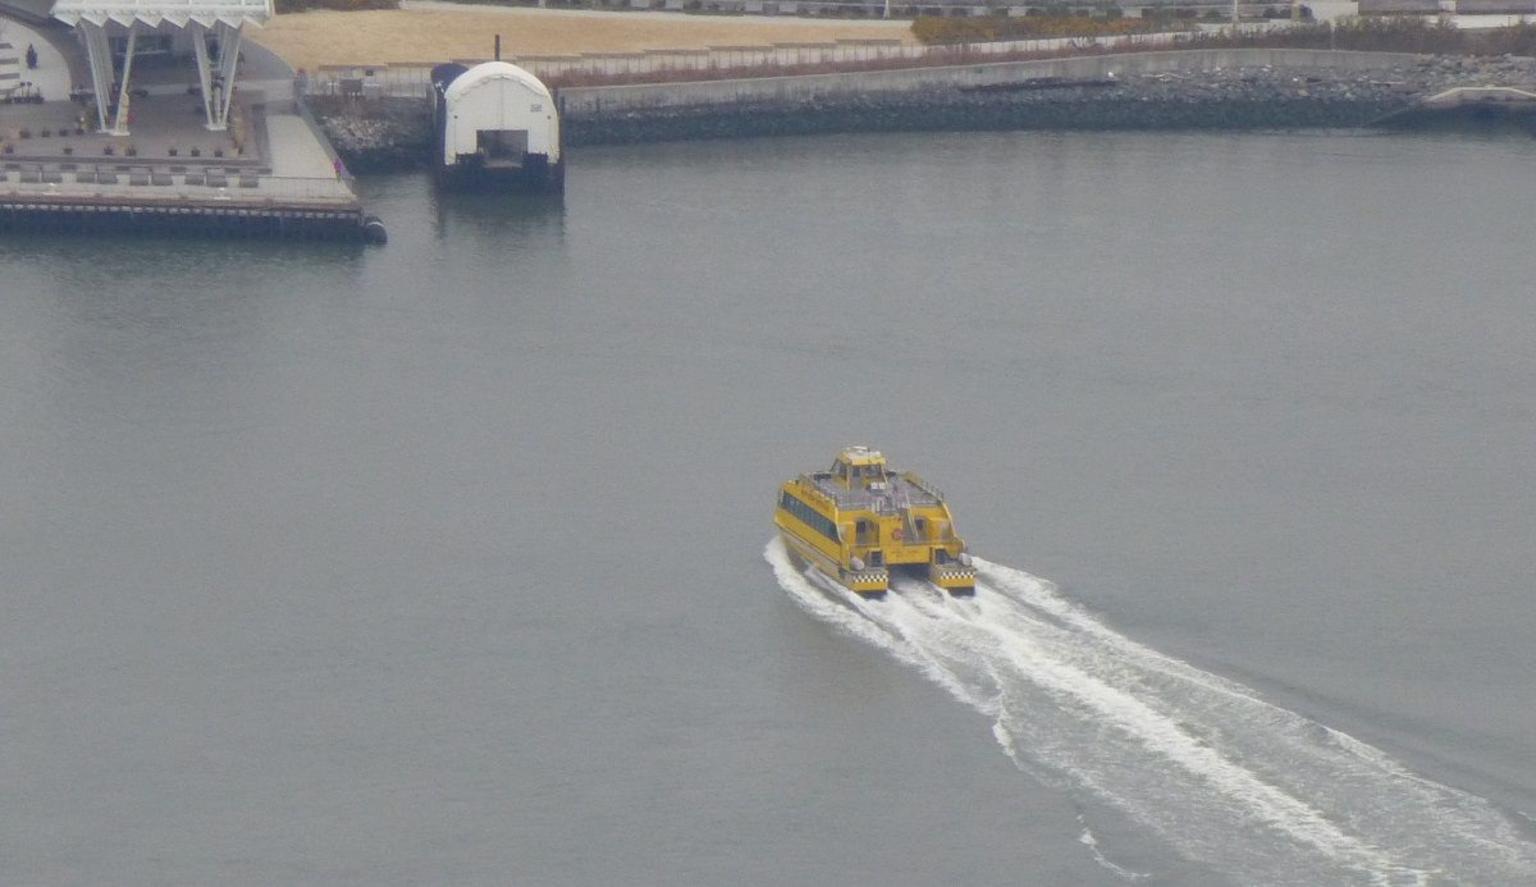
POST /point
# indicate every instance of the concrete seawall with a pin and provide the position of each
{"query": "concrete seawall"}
(580, 101)
(1195, 89)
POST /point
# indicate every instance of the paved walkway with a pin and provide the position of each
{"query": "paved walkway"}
(51, 76)
(296, 153)
(158, 123)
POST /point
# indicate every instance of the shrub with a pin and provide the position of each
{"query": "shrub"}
(1389, 35)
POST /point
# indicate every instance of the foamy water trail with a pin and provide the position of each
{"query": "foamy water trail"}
(1251, 789)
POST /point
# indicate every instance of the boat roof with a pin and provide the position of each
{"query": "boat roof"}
(861, 456)
(897, 492)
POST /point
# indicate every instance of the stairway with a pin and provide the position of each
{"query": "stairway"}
(10, 68)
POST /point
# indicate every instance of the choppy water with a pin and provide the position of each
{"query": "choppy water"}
(443, 562)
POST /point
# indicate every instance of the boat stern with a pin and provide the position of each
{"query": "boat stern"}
(870, 582)
(954, 577)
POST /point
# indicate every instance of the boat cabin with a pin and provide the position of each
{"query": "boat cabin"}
(860, 468)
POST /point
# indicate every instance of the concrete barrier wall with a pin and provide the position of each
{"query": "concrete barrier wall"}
(1388, 7)
(1509, 7)
(594, 99)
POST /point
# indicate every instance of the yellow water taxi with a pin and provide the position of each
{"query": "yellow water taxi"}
(860, 520)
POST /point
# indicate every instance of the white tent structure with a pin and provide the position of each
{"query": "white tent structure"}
(96, 19)
(498, 112)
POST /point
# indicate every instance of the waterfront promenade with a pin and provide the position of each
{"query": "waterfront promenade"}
(269, 163)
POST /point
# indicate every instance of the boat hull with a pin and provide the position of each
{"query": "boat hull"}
(870, 583)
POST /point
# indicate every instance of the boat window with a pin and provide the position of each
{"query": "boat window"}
(809, 516)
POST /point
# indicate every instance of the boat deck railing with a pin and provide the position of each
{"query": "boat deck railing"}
(923, 485)
(878, 503)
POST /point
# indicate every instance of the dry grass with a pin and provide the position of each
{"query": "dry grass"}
(311, 39)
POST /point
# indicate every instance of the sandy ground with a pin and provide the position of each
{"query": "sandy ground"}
(432, 32)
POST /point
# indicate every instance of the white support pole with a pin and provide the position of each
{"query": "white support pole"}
(99, 52)
(229, 60)
(199, 36)
(120, 125)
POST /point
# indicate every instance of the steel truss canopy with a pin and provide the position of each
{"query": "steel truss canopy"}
(153, 13)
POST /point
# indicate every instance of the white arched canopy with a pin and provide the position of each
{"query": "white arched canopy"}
(486, 72)
(226, 18)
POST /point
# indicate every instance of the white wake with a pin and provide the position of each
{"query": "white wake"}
(1248, 788)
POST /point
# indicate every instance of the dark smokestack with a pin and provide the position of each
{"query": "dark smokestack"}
(498, 47)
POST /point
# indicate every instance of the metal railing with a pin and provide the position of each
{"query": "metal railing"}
(157, 187)
(923, 485)
(866, 500)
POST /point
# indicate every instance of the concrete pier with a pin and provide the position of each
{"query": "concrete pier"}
(265, 171)
(271, 175)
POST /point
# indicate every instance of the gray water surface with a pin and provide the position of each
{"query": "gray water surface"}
(444, 562)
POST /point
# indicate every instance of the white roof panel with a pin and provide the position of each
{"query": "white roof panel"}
(487, 72)
(153, 12)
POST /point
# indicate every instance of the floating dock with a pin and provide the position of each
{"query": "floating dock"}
(497, 128)
(1482, 104)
